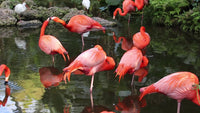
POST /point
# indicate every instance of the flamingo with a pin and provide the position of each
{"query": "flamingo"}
(80, 24)
(131, 61)
(127, 7)
(178, 85)
(86, 4)
(50, 76)
(126, 44)
(20, 8)
(89, 62)
(141, 39)
(50, 44)
(6, 70)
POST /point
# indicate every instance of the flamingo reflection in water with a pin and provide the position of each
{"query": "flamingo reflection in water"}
(7, 94)
(50, 76)
(126, 44)
(130, 104)
(95, 108)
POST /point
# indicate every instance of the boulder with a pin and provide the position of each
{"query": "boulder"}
(29, 24)
(43, 13)
(7, 17)
(105, 23)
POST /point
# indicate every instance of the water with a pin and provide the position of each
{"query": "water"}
(169, 51)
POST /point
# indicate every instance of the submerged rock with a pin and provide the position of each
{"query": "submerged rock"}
(29, 24)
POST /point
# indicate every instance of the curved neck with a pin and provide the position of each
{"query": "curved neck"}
(3, 67)
(45, 23)
(58, 20)
(119, 39)
(144, 34)
(120, 12)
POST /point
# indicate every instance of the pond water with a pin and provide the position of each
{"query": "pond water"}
(169, 51)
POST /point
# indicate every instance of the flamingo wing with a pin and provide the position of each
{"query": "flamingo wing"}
(51, 45)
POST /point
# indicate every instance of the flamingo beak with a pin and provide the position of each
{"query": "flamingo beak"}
(27, 6)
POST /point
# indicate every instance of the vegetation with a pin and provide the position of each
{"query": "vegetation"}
(181, 13)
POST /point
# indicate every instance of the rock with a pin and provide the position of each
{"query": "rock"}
(72, 12)
(29, 24)
(7, 17)
(43, 13)
(8, 4)
(104, 22)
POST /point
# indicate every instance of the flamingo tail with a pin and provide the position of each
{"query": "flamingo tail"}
(71, 68)
(121, 71)
(147, 90)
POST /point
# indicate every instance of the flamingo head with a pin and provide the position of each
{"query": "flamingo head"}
(58, 20)
(3, 67)
(142, 28)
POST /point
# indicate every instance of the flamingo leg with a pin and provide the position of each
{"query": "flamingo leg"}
(91, 99)
(82, 42)
(129, 19)
(91, 85)
(132, 80)
(53, 58)
(178, 106)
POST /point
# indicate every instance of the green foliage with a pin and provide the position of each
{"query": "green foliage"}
(190, 21)
(175, 13)
(113, 2)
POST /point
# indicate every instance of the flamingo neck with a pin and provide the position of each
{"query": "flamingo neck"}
(3, 67)
(119, 39)
(120, 12)
(144, 34)
(46, 22)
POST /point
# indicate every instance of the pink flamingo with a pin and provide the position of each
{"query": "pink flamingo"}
(131, 61)
(89, 62)
(141, 39)
(6, 70)
(127, 7)
(50, 44)
(179, 86)
(80, 24)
